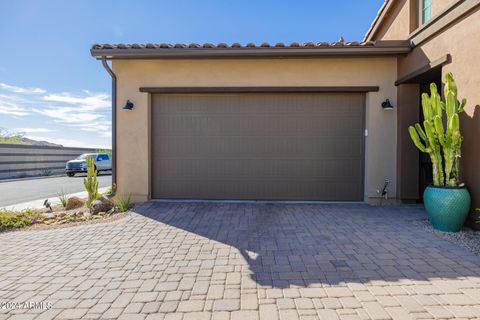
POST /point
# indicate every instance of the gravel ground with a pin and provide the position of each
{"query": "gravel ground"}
(466, 237)
(41, 226)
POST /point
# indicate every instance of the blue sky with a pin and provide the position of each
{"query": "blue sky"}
(52, 89)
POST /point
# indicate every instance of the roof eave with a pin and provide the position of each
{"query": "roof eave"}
(192, 53)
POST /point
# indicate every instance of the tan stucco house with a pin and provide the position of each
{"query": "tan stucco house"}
(292, 121)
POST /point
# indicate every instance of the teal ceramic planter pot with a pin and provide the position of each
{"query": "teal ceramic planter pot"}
(447, 207)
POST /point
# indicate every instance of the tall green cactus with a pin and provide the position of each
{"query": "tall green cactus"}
(442, 144)
(90, 182)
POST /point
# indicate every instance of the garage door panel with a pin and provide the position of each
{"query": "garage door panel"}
(258, 146)
(255, 125)
(259, 169)
(252, 190)
(214, 147)
(274, 103)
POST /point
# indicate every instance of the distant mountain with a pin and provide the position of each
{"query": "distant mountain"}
(13, 137)
(26, 141)
(39, 143)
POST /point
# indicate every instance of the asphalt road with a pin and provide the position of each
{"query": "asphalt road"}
(14, 192)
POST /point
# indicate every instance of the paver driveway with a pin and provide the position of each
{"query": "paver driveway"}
(242, 261)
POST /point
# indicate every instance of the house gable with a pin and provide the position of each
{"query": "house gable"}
(399, 19)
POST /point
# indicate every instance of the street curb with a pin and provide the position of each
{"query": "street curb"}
(38, 204)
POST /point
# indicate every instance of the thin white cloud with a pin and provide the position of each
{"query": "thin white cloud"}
(44, 111)
(13, 105)
(68, 115)
(12, 109)
(106, 134)
(16, 89)
(90, 102)
(33, 130)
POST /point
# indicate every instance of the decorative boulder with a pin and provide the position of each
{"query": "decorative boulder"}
(74, 203)
(102, 204)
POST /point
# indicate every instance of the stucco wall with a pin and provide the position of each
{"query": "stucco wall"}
(396, 24)
(438, 6)
(133, 129)
(462, 41)
(403, 18)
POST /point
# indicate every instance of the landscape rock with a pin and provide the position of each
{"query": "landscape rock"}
(102, 204)
(74, 203)
(48, 215)
(60, 215)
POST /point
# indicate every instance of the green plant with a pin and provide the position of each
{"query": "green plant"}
(7, 137)
(19, 219)
(108, 191)
(443, 144)
(90, 182)
(123, 204)
(47, 172)
(476, 219)
(63, 199)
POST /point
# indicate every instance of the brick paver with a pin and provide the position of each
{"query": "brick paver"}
(241, 261)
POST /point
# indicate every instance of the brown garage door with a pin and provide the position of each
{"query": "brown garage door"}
(258, 146)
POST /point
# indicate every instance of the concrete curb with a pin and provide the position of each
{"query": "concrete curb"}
(38, 204)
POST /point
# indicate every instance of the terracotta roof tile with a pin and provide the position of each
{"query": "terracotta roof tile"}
(237, 50)
(222, 45)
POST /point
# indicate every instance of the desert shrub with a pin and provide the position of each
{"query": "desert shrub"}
(63, 199)
(47, 172)
(74, 202)
(7, 137)
(108, 192)
(122, 204)
(18, 219)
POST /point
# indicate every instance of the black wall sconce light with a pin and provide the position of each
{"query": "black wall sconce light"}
(386, 105)
(128, 105)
